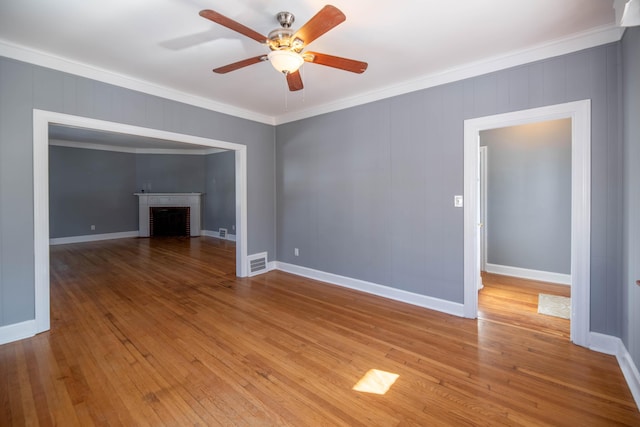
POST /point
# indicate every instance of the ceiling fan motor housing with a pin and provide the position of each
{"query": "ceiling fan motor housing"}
(282, 38)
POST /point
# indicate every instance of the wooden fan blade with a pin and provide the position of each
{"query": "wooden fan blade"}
(240, 64)
(294, 81)
(328, 17)
(232, 25)
(336, 62)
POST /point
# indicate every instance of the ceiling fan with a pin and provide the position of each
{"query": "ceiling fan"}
(287, 47)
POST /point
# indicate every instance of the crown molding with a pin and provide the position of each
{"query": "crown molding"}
(131, 150)
(574, 43)
(596, 37)
(48, 60)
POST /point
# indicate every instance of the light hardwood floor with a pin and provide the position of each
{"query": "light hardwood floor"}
(513, 301)
(160, 332)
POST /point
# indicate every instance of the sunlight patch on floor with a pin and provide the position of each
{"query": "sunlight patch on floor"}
(376, 382)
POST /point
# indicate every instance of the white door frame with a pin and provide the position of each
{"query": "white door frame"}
(41, 121)
(580, 114)
(484, 162)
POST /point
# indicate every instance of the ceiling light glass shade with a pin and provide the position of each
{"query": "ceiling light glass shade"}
(631, 14)
(285, 61)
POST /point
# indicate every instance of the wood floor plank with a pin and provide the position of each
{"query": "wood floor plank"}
(514, 301)
(161, 332)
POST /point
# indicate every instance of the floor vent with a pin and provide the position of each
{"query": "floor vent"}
(257, 263)
(222, 233)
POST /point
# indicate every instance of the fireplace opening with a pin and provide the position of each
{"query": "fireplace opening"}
(169, 221)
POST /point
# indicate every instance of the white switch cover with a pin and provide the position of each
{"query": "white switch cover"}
(457, 201)
(296, 252)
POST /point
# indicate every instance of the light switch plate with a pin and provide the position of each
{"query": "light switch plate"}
(457, 201)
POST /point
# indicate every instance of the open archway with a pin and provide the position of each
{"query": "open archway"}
(41, 121)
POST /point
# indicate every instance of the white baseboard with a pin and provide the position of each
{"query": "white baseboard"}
(93, 237)
(525, 273)
(17, 331)
(602, 343)
(597, 342)
(613, 345)
(437, 304)
(216, 234)
(630, 372)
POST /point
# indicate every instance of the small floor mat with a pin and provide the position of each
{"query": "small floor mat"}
(553, 305)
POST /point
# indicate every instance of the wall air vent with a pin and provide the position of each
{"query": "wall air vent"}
(257, 263)
(222, 233)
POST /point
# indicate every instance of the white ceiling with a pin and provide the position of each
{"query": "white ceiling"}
(164, 45)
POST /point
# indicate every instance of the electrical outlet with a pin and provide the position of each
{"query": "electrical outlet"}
(296, 252)
(93, 227)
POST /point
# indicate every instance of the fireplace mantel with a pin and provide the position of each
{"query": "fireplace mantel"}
(168, 200)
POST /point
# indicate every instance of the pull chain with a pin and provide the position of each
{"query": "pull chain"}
(303, 88)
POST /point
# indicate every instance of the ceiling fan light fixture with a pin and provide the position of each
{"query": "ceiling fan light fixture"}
(285, 61)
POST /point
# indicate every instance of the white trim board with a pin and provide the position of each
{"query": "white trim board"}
(216, 234)
(484, 188)
(614, 346)
(594, 341)
(119, 149)
(580, 114)
(431, 303)
(92, 237)
(45, 59)
(573, 43)
(17, 331)
(41, 121)
(592, 38)
(121, 235)
(525, 273)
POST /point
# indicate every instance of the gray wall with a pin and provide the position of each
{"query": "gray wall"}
(220, 188)
(529, 196)
(170, 173)
(333, 193)
(25, 87)
(367, 192)
(91, 187)
(631, 271)
(95, 187)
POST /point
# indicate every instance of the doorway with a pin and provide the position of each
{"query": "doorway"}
(580, 114)
(525, 244)
(41, 121)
